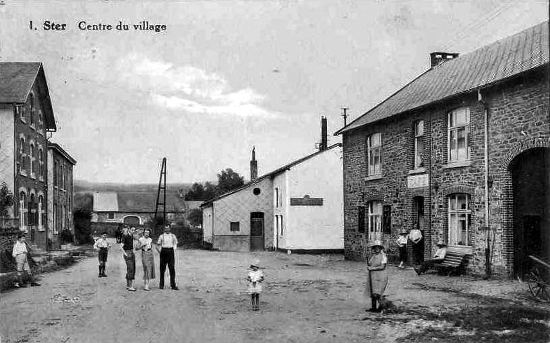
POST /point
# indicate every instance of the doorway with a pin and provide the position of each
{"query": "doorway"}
(256, 231)
(530, 181)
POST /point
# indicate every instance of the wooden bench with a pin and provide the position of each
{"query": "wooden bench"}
(455, 260)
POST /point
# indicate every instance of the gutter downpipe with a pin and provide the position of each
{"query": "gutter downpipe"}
(486, 182)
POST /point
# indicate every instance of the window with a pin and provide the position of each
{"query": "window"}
(111, 215)
(458, 145)
(459, 219)
(41, 213)
(374, 220)
(31, 158)
(55, 219)
(21, 159)
(256, 191)
(276, 196)
(23, 216)
(55, 173)
(418, 144)
(31, 101)
(282, 226)
(40, 163)
(234, 226)
(374, 154)
(22, 113)
(32, 208)
(361, 219)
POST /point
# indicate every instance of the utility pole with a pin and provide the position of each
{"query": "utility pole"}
(345, 115)
(161, 200)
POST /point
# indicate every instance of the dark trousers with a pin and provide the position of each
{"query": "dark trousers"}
(428, 264)
(418, 252)
(403, 253)
(130, 264)
(167, 258)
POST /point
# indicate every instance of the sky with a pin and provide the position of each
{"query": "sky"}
(229, 75)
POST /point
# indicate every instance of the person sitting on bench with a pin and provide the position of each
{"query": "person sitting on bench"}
(438, 257)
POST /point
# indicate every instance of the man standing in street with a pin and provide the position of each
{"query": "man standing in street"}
(127, 244)
(166, 245)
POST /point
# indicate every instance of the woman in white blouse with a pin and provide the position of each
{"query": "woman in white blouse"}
(147, 259)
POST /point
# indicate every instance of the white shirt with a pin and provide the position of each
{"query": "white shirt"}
(415, 235)
(402, 240)
(101, 243)
(145, 243)
(440, 253)
(19, 248)
(168, 240)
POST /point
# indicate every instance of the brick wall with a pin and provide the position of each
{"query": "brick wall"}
(519, 120)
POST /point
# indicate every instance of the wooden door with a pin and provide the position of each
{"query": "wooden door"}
(256, 231)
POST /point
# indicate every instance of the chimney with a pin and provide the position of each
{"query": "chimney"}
(253, 165)
(323, 145)
(440, 57)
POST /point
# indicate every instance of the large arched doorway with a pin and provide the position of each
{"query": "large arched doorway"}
(131, 220)
(531, 215)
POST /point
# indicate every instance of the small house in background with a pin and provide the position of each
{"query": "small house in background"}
(60, 193)
(136, 209)
(298, 207)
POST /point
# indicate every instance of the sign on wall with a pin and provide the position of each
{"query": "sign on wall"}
(417, 181)
(306, 201)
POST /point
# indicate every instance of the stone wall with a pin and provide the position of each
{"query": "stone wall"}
(519, 120)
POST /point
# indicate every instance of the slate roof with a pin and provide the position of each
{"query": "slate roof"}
(16, 81)
(62, 152)
(105, 202)
(146, 201)
(490, 64)
(270, 174)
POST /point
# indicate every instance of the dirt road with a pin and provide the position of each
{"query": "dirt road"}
(306, 298)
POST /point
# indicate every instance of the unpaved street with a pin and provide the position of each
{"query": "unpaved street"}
(306, 298)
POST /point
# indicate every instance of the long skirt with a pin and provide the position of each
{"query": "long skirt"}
(148, 264)
(376, 282)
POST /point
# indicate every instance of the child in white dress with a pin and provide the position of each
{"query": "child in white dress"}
(255, 279)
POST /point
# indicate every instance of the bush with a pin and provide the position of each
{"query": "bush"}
(83, 226)
(66, 236)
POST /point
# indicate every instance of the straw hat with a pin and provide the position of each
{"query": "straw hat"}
(255, 263)
(440, 243)
(377, 243)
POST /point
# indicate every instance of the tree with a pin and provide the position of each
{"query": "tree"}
(228, 180)
(6, 200)
(83, 226)
(83, 201)
(195, 217)
(200, 192)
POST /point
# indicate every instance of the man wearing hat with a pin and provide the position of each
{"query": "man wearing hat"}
(377, 279)
(402, 244)
(439, 256)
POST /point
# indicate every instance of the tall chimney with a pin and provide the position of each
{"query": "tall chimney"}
(440, 57)
(253, 165)
(323, 145)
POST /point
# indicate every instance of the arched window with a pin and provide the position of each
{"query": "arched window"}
(40, 163)
(31, 102)
(459, 219)
(32, 162)
(23, 218)
(21, 155)
(41, 214)
(32, 209)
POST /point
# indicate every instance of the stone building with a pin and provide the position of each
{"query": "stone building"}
(26, 116)
(461, 152)
(60, 193)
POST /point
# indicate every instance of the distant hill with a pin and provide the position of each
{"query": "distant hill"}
(82, 186)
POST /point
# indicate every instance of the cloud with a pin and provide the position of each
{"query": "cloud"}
(191, 89)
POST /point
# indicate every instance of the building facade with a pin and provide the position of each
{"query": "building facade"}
(26, 117)
(297, 207)
(60, 193)
(462, 153)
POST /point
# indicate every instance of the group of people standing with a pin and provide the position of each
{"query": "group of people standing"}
(377, 277)
(129, 242)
